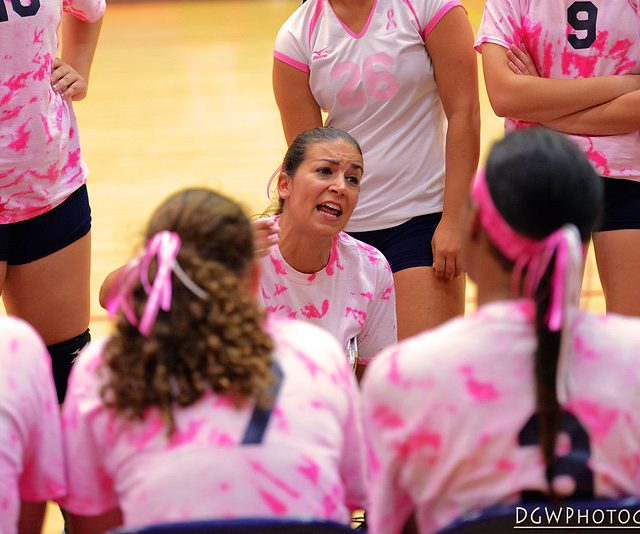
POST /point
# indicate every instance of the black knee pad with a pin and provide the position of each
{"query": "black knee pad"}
(63, 355)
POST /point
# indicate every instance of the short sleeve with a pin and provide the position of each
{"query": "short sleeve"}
(501, 23)
(338, 388)
(90, 489)
(85, 10)
(290, 45)
(353, 459)
(380, 330)
(390, 505)
(427, 13)
(30, 397)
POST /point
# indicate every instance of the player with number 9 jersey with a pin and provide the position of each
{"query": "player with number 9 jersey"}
(574, 66)
(584, 47)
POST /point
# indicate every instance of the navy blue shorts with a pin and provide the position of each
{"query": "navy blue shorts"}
(27, 241)
(407, 245)
(621, 205)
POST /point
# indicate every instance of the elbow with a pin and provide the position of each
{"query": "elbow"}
(507, 102)
(103, 296)
(466, 118)
(501, 106)
(105, 290)
(502, 100)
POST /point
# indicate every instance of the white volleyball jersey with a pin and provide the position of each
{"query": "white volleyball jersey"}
(575, 39)
(379, 86)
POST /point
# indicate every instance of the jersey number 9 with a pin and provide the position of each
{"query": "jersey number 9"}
(585, 22)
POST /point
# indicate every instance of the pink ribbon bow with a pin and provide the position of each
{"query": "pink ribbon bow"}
(164, 246)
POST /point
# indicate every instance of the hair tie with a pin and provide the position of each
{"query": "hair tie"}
(164, 246)
(273, 176)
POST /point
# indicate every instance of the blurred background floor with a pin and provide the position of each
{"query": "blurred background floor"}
(180, 95)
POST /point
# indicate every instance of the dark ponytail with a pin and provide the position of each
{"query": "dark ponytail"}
(539, 181)
(545, 364)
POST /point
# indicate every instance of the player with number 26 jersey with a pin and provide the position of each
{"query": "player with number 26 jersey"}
(379, 86)
(573, 39)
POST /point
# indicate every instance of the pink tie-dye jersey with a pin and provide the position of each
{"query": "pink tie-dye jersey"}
(446, 411)
(40, 161)
(31, 459)
(310, 462)
(571, 39)
(353, 296)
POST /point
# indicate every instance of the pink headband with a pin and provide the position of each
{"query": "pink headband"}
(164, 246)
(533, 256)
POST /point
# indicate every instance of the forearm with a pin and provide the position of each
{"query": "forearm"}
(534, 99)
(619, 116)
(31, 517)
(95, 524)
(79, 41)
(462, 151)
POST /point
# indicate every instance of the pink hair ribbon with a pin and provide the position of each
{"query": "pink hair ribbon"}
(164, 246)
(532, 257)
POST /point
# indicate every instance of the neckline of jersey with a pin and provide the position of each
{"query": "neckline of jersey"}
(349, 31)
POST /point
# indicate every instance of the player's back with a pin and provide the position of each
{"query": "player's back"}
(303, 457)
(452, 416)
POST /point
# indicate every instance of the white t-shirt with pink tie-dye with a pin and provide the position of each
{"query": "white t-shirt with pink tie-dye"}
(379, 86)
(352, 297)
(309, 463)
(575, 39)
(31, 459)
(40, 160)
(449, 415)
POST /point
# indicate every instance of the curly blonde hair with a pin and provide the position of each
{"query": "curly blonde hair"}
(213, 344)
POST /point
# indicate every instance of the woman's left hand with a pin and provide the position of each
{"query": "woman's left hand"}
(446, 245)
(520, 61)
(66, 81)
